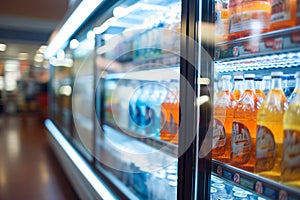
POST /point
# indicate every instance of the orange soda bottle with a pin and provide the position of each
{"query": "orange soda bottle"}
(223, 116)
(283, 14)
(255, 17)
(258, 89)
(170, 114)
(235, 19)
(269, 135)
(238, 86)
(244, 127)
(290, 166)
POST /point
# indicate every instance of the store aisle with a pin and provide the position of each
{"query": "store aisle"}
(28, 167)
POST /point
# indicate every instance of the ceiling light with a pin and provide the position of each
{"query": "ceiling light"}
(23, 56)
(2, 47)
(38, 58)
(80, 14)
(42, 49)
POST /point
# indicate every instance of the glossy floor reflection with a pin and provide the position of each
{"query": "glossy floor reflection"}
(28, 167)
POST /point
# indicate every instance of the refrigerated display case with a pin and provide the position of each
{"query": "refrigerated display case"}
(144, 80)
(263, 52)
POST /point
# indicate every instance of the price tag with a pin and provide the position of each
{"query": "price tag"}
(258, 187)
(235, 51)
(282, 195)
(219, 170)
(236, 178)
(277, 44)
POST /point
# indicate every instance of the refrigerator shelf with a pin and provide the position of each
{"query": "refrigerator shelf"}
(154, 142)
(254, 183)
(119, 69)
(285, 40)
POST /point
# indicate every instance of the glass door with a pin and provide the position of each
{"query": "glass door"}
(254, 140)
(138, 88)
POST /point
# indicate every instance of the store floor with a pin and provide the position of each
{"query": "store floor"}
(28, 167)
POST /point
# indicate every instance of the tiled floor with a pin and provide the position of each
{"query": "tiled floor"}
(28, 167)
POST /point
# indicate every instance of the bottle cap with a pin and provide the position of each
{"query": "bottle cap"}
(249, 76)
(297, 75)
(286, 77)
(258, 78)
(267, 78)
(276, 74)
(226, 77)
(238, 77)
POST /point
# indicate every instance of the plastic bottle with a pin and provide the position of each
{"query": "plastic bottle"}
(266, 84)
(143, 118)
(244, 127)
(222, 20)
(156, 98)
(285, 86)
(269, 136)
(124, 93)
(296, 89)
(258, 89)
(290, 166)
(283, 14)
(134, 115)
(223, 117)
(170, 114)
(255, 17)
(235, 19)
(238, 86)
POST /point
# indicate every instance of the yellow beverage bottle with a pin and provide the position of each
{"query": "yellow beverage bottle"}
(269, 135)
(296, 89)
(283, 14)
(290, 166)
(223, 116)
(255, 17)
(238, 86)
(244, 127)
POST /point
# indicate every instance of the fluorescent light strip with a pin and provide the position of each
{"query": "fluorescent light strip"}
(83, 167)
(80, 14)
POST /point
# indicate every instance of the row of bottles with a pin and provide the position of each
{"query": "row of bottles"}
(252, 130)
(148, 108)
(241, 18)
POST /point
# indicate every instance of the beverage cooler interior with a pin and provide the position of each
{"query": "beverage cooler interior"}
(256, 108)
(125, 92)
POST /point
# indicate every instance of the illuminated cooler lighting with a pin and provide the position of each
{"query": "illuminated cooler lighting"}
(42, 49)
(2, 47)
(60, 55)
(79, 162)
(74, 44)
(80, 14)
(105, 25)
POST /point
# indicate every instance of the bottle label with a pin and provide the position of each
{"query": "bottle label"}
(291, 156)
(241, 143)
(235, 23)
(219, 135)
(265, 149)
(280, 10)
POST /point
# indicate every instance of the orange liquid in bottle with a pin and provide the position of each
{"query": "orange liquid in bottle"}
(255, 17)
(270, 131)
(260, 94)
(223, 116)
(244, 128)
(283, 14)
(235, 19)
